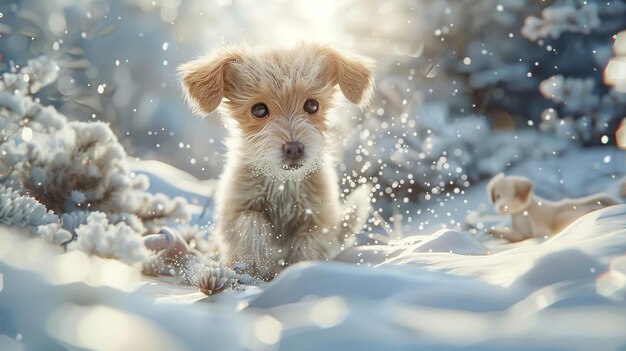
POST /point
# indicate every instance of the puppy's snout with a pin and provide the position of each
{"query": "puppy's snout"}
(293, 150)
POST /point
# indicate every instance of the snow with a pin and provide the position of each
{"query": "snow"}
(443, 288)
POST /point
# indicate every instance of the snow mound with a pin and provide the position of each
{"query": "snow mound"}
(444, 240)
(600, 235)
(444, 290)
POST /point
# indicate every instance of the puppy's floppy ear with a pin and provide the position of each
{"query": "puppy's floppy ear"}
(492, 183)
(353, 73)
(523, 188)
(204, 80)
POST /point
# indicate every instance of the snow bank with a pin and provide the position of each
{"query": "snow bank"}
(567, 292)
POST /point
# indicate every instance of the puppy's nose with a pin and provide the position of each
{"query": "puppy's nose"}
(293, 150)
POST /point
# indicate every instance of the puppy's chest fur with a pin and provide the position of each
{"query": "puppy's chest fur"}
(287, 205)
(290, 207)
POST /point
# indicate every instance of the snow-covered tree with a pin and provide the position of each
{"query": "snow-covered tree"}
(71, 166)
(578, 36)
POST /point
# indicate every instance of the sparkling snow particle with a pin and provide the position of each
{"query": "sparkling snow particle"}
(467, 61)
(604, 139)
(27, 134)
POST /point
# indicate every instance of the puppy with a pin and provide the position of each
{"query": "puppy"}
(532, 216)
(277, 201)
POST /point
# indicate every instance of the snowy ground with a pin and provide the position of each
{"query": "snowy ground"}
(436, 288)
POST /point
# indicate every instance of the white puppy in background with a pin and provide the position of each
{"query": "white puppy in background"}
(277, 202)
(532, 216)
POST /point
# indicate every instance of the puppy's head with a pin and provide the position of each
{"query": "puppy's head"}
(509, 194)
(278, 99)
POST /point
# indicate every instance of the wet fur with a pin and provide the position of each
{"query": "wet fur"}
(268, 217)
(532, 216)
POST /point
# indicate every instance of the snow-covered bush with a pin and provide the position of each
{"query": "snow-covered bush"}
(74, 185)
(74, 166)
(107, 240)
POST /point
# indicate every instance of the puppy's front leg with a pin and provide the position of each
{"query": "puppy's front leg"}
(310, 246)
(508, 234)
(249, 241)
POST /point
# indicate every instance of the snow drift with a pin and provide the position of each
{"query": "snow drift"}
(567, 292)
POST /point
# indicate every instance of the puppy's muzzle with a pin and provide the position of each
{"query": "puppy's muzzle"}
(292, 153)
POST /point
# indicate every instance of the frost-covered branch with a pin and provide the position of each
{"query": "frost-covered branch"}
(558, 19)
(576, 94)
(23, 211)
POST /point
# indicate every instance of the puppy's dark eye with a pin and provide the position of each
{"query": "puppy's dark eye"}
(260, 110)
(311, 106)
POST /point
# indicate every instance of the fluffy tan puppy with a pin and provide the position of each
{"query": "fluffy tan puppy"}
(278, 201)
(532, 216)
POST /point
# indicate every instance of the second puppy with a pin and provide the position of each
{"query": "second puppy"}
(532, 216)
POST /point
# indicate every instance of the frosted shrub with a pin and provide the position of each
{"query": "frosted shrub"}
(72, 166)
(103, 239)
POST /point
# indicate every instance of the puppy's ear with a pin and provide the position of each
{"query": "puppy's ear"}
(492, 183)
(353, 73)
(204, 80)
(523, 188)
